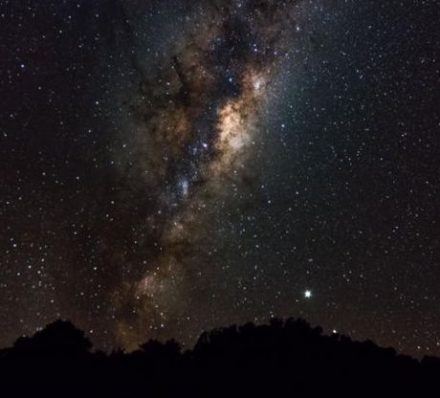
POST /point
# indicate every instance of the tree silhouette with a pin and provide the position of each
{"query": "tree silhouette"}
(283, 358)
(59, 338)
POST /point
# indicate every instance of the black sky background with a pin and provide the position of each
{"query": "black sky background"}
(345, 180)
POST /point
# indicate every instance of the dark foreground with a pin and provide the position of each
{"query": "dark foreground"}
(288, 359)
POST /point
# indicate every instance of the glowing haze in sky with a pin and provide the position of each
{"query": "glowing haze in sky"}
(168, 167)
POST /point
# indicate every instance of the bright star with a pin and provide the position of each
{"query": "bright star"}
(308, 294)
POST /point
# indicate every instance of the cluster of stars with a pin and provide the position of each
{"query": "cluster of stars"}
(165, 169)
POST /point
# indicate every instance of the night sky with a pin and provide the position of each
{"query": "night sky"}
(172, 166)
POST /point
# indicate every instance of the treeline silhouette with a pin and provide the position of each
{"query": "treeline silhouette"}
(283, 359)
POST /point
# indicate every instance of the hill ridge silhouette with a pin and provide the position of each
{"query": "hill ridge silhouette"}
(285, 357)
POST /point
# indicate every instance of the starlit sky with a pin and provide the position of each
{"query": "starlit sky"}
(168, 167)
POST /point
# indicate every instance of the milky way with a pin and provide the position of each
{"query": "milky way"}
(172, 166)
(199, 123)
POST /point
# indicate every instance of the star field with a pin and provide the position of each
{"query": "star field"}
(168, 167)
